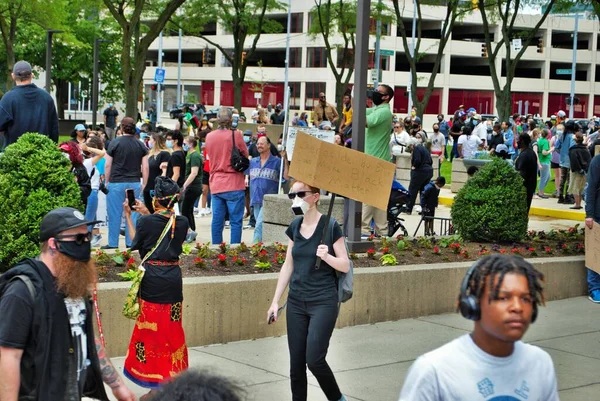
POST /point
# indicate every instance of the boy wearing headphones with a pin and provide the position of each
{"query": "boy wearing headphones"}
(501, 293)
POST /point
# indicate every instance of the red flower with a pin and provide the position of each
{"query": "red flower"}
(131, 261)
(436, 249)
(502, 251)
(222, 258)
(262, 253)
(385, 250)
(530, 249)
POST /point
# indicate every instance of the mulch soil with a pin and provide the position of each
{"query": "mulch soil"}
(204, 260)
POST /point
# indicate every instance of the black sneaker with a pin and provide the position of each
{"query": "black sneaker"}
(108, 247)
(561, 200)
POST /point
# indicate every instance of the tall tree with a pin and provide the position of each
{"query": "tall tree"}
(243, 19)
(335, 24)
(14, 13)
(137, 36)
(507, 12)
(453, 12)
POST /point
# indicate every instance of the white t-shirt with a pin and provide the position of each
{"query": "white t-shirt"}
(398, 143)
(95, 178)
(469, 144)
(481, 131)
(437, 142)
(77, 315)
(461, 371)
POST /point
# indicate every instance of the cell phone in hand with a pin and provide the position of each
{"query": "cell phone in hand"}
(130, 198)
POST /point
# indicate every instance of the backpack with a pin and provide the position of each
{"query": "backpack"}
(26, 280)
(84, 181)
(345, 280)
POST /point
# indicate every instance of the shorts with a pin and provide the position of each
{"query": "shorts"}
(577, 183)
(554, 165)
(205, 177)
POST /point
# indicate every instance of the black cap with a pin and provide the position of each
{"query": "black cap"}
(571, 126)
(22, 69)
(62, 219)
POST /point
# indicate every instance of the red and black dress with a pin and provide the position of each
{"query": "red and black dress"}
(157, 350)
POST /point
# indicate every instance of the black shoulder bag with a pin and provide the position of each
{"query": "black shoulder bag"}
(238, 162)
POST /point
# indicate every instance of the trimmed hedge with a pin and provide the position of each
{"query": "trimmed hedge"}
(492, 206)
(35, 177)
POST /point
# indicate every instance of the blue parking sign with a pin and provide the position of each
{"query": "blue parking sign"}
(159, 75)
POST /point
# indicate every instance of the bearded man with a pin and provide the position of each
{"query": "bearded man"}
(48, 349)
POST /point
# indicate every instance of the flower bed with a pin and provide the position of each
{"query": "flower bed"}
(205, 260)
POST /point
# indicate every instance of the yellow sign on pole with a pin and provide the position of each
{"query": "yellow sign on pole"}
(342, 171)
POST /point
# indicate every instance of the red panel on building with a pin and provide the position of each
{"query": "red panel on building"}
(272, 93)
(534, 99)
(482, 101)
(207, 94)
(400, 100)
(597, 106)
(557, 101)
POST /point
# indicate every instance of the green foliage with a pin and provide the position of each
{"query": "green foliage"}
(129, 275)
(35, 178)
(388, 260)
(492, 206)
(263, 265)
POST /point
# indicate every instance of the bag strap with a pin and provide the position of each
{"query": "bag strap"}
(326, 227)
(160, 239)
(27, 281)
(233, 138)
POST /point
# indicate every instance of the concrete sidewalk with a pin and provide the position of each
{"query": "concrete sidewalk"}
(370, 362)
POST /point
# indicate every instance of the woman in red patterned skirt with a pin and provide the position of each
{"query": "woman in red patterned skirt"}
(157, 350)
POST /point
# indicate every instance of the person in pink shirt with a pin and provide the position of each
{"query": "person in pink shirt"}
(226, 185)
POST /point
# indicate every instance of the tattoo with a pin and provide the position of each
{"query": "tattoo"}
(108, 371)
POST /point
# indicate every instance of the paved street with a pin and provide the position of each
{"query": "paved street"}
(371, 361)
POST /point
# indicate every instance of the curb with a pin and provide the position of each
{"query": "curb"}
(535, 211)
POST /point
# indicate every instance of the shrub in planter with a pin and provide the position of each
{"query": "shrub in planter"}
(492, 206)
(35, 177)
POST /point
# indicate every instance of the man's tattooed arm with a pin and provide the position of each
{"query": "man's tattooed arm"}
(109, 373)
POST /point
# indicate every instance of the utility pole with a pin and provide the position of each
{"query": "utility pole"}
(286, 100)
(49, 34)
(159, 106)
(179, 99)
(573, 67)
(96, 80)
(378, 50)
(412, 53)
(360, 116)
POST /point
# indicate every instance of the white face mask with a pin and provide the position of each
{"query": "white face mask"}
(300, 206)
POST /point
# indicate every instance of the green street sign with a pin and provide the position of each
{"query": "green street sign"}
(386, 52)
(564, 72)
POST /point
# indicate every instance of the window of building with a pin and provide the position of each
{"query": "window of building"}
(316, 57)
(296, 25)
(470, 66)
(483, 101)
(558, 101)
(80, 95)
(434, 106)
(295, 57)
(207, 92)
(226, 93)
(385, 28)
(580, 72)
(312, 93)
(596, 105)
(531, 103)
(191, 93)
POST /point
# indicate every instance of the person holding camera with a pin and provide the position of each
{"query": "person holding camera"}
(93, 150)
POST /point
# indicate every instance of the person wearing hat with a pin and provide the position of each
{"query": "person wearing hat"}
(26, 108)
(48, 346)
(79, 134)
(479, 129)
(110, 120)
(157, 350)
(279, 116)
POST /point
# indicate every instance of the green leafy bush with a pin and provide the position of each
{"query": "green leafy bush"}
(35, 177)
(492, 206)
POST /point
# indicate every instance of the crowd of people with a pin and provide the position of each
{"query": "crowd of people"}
(153, 178)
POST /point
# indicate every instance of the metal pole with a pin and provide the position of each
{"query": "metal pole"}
(179, 99)
(360, 116)
(159, 106)
(286, 100)
(378, 50)
(49, 60)
(573, 66)
(412, 53)
(95, 84)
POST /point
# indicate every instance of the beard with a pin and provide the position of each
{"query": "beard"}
(74, 278)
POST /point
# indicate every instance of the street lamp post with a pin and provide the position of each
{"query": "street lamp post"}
(95, 80)
(49, 34)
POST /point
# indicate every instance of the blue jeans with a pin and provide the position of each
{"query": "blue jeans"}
(544, 177)
(593, 279)
(114, 205)
(258, 216)
(91, 208)
(232, 202)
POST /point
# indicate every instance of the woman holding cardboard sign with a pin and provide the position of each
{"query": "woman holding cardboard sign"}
(313, 295)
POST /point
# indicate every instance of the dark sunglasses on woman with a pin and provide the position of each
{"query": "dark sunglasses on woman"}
(300, 194)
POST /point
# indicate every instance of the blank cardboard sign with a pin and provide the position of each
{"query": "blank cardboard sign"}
(592, 248)
(342, 171)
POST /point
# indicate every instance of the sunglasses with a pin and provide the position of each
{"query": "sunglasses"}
(300, 194)
(396, 126)
(321, 97)
(80, 239)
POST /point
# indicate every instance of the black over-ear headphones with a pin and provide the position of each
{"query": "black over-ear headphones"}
(469, 304)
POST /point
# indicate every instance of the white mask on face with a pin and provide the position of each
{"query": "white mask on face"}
(300, 206)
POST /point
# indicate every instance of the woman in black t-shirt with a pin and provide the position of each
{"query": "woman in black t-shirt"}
(176, 166)
(312, 305)
(158, 160)
(157, 350)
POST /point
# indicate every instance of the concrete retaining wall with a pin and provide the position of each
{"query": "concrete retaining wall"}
(403, 168)
(277, 215)
(225, 309)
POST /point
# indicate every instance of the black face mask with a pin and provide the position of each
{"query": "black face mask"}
(436, 130)
(377, 98)
(81, 252)
(440, 119)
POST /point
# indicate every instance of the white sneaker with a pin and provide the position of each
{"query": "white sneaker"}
(202, 212)
(208, 211)
(96, 240)
(196, 210)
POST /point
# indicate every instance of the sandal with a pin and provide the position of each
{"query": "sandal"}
(576, 207)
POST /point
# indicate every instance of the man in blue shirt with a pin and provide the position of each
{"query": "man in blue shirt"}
(264, 177)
